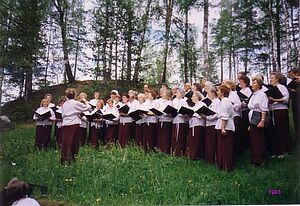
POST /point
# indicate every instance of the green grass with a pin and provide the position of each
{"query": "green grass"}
(129, 176)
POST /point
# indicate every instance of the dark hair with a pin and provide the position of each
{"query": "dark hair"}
(245, 79)
(153, 93)
(126, 95)
(224, 90)
(295, 71)
(198, 86)
(17, 190)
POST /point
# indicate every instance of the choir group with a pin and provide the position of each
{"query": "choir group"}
(200, 121)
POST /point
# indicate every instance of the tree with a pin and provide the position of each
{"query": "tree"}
(62, 8)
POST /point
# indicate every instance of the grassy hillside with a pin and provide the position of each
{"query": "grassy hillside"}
(129, 176)
(20, 110)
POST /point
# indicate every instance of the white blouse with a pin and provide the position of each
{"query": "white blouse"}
(196, 119)
(149, 105)
(177, 103)
(43, 110)
(71, 111)
(163, 103)
(211, 120)
(225, 111)
(281, 105)
(114, 111)
(99, 124)
(141, 106)
(235, 100)
(258, 102)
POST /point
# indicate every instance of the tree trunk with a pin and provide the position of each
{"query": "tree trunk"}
(77, 51)
(287, 36)
(116, 60)
(129, 44)
(298, 53)
(169, 8)
(278, 38)
(186, 46)
(273, 50)
(222, 66)
(204, 33)
(28, 84)
(110, 59)
(60, 6)
(141, 43)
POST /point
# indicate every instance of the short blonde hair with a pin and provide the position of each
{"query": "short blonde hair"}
(44, 101)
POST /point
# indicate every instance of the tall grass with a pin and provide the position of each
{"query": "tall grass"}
(129, 176)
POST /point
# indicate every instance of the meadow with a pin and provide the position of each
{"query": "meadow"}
(129, 176)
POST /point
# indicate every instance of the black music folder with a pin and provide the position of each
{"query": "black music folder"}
(274, 92)
(186, 111)
(242, 96)
(92, 116)
(109, 116)
(124, 109)
(292, 85)
(43, 116)
(136, 115)
(205, 111)
(256, 117)
(207, 101)
(170, 110)
(156, 112)
(93, 106)
(58, 115)
(190, 102)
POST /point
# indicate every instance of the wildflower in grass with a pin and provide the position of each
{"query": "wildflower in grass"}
(190, 181)
(98, 199)
(13, 164)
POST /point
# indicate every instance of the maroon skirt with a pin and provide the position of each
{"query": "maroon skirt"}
(94, 135)
(42, 136)
(179, 139)
(125, 134)
(237, 136)
(164, 136)
(69, 143)
(257, 144)
(150, 132)
(111, 133)
(278, 132)
(59, 137)
(139, 128)
(195, 143)
(244, 132)
(225, 160)
(82, 132)
(211, 144)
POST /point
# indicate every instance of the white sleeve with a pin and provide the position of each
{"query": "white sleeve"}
(264, 103)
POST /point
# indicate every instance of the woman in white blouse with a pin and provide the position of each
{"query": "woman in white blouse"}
(43, 126)
(139, 124)
(112, 126)
(258, 104)
(126, 123)
(150, 126)
(96, 128)
(245, 90)
(195, 143)
(165, 123)
(180, 126)
(225, 127)
(211, 135)
(236, 102)
(71, 111)
(278, 133)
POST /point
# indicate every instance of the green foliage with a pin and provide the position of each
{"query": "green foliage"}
(129, 176)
